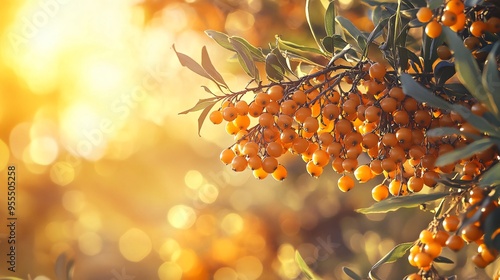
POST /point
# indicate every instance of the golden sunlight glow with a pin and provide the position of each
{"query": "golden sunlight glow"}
(74, 201)
(90, 243)
(181, 216)
(169, 271)
(135, 245)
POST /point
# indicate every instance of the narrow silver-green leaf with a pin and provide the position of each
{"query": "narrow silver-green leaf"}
(274, 71)
(351, 29)
(449, 131)
(203, 116)
(464, 152)
(395, 254)
(315, 12)
(330, 19)
(478, 122)
(397, 202)
(255, 52)
(468, 71)
(245, 58)
(192, 65)
(349, 272)
(491, 76)
(206, 63)
(220, 38)
(305, 268)
(200, 105)
(491, 177)
(421, 94)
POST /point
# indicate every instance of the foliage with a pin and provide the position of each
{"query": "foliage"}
(426, 115)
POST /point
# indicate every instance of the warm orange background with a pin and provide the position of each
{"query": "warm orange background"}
(111, 177)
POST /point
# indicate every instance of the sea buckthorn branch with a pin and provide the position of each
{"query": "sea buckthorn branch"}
(419, 126)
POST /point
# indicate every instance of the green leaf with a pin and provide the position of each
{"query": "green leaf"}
(206, 63)
(442, 259)
(220, 38)
(281, 60)
(255, 52)
(245, 58)
(200, 105)
(478, 122)
(491, 225)
(305, 268)
(464, 152)
(290, 46)
(275, 72)
(330, 19)
(434, 4)
(422, 94)
(491, 76)
(351, 273)
(190, 63)
(468, 71)
(449, 131)
(352, 30)
(395, 254)
(314, 16)
(491, 177)
(203, 116)
(443, 71)
(397, 202)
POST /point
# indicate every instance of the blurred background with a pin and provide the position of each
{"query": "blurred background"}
(113, 184)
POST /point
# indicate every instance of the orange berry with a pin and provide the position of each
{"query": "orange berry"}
(444, 52)
(380, 192)
(262, 99)
(313, 169)
(229, 113)
(320, 158)
(460, 24)
(275, 92)
(239, 163)
(413, 276)
(259, 173)
(471, 233)
(331, 111)
(254, 162)
(299, 97)
(241, 107)
(349, 164)
(455, 6)
(493, 24)
(311, 124)
(300, 145)
(388, 165)
(363, 173)
(269, 164)
(255, 109)
(302, 114)
(455, 242)
(227, 155)
(422, 259)
(372, 114)
(389, 104)
(479, 261)
(441, 236)
(250, 149)
(288, 135)
(424, 14)
(280, 173)
(345, 183)
(433, 249)
(433, 29)
(477, 28)
(451, 223)
(377, 71)
(216, 117)
(426, 236)
(448, 18)
(396, 187)
(242, 122)
(274, 149)
(288, 107)
(415, 184)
